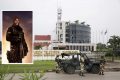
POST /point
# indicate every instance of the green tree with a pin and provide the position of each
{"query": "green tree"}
(114, 44)
(101, 47)
(38, 47)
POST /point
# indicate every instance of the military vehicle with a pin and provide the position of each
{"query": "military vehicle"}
(69, 63)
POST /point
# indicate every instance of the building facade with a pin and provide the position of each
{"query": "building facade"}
(78, 33)
(82, 47)
(72, 35)
(73, 32)
(43, 41)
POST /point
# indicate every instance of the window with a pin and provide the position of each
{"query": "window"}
(60, 27)
(60, 24)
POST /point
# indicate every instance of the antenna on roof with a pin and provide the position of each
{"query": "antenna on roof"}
(59, 11)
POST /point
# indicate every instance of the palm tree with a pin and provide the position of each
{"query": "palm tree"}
(114, 43)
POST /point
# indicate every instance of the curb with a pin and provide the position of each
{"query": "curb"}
(106, 69)
(112, 69)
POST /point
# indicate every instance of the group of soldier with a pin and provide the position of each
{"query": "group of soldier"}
(82, 64)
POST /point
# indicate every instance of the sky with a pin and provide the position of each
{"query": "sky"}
(101, 15)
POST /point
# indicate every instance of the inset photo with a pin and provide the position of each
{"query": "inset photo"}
(17, 37)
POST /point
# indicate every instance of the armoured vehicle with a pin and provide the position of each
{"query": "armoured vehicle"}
(69, 63)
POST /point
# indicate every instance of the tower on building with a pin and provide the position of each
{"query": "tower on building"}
(59, 14)
(58, 24)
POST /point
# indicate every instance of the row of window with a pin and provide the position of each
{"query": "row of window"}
(81, 48)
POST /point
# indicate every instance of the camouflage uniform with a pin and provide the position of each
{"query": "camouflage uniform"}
(18, 46)
(102, 66)
(81, 65)
(57, 64)
(57, 60)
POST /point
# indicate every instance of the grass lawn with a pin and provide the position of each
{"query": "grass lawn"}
(37, 66)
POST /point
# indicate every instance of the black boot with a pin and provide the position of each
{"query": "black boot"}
(80, 74)
(99, 73)
(102, 73)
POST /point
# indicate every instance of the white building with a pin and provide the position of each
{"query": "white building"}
(72, 36)
(83, 47)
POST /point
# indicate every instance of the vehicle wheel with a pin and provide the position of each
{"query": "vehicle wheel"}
(70, 70)
(57, 71)
(95, 69)
(88, 70)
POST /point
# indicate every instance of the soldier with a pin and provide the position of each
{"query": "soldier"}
(58, 64)
(18, 46)
(57, 58)
(81, 65)
(102, 65)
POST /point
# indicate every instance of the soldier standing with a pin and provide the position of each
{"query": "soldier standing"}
(81, 65)
(102, 65)
(18, 46)
(58, 60)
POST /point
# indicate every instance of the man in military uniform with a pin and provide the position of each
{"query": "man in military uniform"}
(58, 64)
(18, 46)
(102, 65)
(81, 65)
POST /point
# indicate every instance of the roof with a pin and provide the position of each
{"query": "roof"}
(42, 37)
(41, 44)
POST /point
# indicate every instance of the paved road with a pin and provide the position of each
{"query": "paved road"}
(63, 76)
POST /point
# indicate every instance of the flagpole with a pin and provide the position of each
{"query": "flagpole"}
(96, 36)
(107, 38)
(103, 37)
(99, 36)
